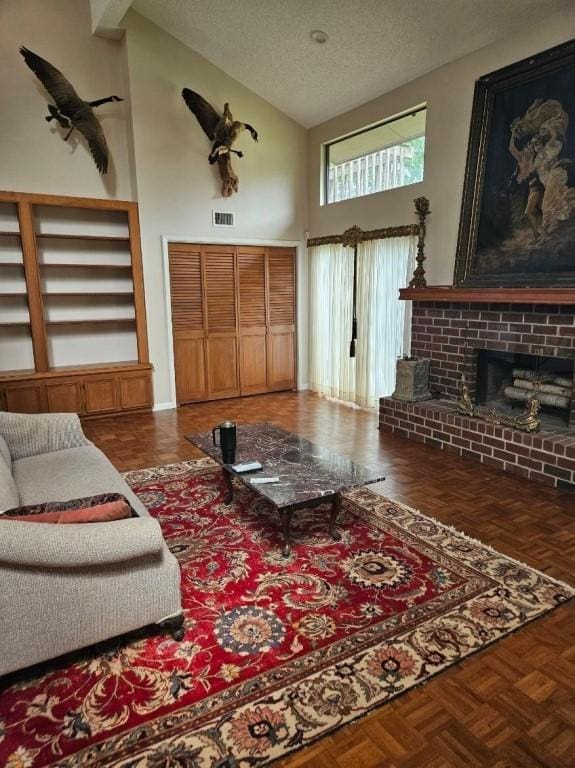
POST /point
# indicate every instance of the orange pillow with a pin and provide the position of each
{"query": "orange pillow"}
(101, 513)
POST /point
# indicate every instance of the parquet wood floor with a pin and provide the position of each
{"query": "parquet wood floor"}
(509, 706)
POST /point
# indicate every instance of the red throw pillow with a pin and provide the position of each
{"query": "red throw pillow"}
(101, 513)
(65, 506)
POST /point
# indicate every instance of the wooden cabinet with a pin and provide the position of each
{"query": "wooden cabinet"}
(64, 396)
(101, 394)
(122, 388)
(135, 391)
(233, 320)
(22, 397)
(71, 306)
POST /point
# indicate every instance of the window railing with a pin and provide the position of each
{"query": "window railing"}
(388, 168)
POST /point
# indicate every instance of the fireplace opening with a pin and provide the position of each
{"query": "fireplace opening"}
(506, 380)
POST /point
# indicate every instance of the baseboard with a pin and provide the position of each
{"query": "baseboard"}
(163, 406)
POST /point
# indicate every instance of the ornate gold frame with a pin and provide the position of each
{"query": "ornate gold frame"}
(510, 77)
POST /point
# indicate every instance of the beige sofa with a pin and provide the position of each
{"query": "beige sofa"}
(63, 587)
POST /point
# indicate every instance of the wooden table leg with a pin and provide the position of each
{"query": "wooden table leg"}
(335, 510)
(286, 519)
(229, 486)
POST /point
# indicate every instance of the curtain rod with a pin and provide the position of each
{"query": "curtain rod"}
(354, 235)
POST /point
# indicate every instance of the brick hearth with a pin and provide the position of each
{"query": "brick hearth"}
(449, 334)
(548, 457)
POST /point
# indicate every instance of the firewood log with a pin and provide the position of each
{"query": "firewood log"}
(552, 389)
(563, 381)
(529, 374)
(522, 395)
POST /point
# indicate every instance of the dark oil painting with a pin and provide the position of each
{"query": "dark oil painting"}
(518, 216)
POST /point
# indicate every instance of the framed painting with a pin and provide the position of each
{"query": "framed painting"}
(517, 225)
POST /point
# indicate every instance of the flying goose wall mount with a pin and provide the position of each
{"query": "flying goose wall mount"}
(223, 131)
(71, 112)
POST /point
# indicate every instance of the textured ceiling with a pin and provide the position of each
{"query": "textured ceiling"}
(373, 47)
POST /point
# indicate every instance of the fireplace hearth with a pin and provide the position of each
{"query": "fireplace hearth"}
(507, 380)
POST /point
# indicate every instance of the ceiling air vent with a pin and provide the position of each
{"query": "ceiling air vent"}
(222, 219)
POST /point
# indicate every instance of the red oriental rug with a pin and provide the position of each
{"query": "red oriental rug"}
(277, 652)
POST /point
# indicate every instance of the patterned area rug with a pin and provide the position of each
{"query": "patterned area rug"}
(277, 652)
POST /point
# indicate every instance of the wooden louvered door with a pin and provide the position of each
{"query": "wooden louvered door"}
(233, 320)
(188, 322)
(222, 326)
(252, 320)
(281, 322)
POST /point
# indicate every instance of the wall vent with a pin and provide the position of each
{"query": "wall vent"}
(223, 219)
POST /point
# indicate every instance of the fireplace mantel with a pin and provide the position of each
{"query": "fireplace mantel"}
(448, 293)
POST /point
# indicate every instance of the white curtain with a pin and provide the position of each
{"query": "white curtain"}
(332, 372)
(384, 266)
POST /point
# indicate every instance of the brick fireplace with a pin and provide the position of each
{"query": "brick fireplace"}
(456, 336)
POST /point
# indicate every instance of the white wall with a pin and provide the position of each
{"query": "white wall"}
(33, 155)
(177, 188)
(448, 92)
(159, 153)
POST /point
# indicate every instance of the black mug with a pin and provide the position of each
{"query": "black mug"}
(227, 430)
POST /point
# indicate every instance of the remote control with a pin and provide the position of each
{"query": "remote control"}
(264, 480)
(247, 466)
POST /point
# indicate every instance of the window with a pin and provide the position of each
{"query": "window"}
(374, 159)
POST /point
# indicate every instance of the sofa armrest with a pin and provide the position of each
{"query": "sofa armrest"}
(33, 434)
(43, 545)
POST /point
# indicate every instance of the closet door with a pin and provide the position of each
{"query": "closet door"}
(222, 341)
(188, 322)
(252, 320)
(282, 313)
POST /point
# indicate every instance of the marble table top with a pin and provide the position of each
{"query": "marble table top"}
(306, 471)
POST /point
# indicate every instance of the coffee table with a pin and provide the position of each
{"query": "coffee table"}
(309, 475)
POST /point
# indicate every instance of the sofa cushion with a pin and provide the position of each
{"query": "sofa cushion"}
(99, 513)
(70, 474)
(37, 433)
(8, 491)
(85, 502)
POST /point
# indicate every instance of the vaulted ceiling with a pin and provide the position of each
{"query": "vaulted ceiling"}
(373, 46)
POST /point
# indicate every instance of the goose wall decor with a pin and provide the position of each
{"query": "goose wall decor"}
(223, 131)
(71, 112)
